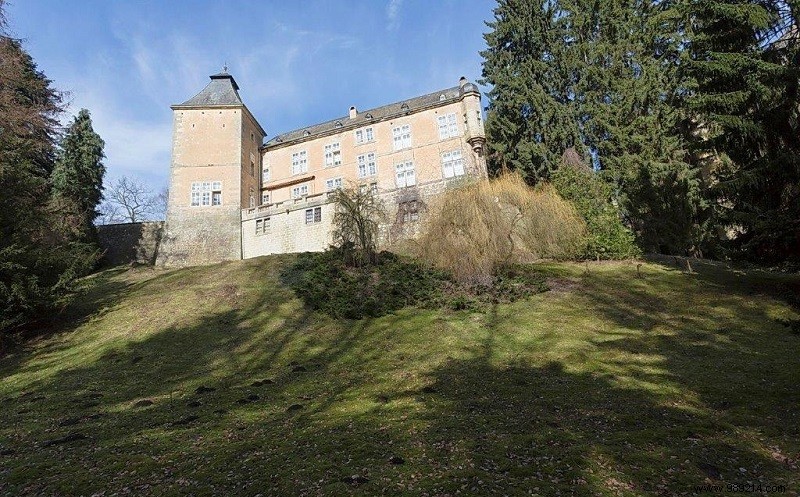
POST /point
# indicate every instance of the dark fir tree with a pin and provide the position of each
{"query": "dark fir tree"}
(78, 175)
(744, 59)
(601, 78)
(531, 115)
(629, 88)
(37, 264)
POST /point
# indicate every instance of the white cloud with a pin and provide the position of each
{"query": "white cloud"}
(134, 147)
(392, 14)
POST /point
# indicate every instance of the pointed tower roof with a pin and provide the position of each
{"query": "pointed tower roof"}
(222, 90)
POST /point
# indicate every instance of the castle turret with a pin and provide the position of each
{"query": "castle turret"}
(214, 175)
(475, 134)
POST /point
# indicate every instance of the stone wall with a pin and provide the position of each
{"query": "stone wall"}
(130, 242)
(281, 227)
(195, 236)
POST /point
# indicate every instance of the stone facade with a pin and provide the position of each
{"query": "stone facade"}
(130, 243)
(232, 197)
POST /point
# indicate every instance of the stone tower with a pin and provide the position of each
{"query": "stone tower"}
(215, 171)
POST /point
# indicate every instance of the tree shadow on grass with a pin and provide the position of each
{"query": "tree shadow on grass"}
(350, 407)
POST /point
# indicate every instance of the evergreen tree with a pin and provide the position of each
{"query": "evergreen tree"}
(744, 57)
(37, 264)
(602, 78)
(531, 115)
(607, 237)
(629, 92)
(78, 174)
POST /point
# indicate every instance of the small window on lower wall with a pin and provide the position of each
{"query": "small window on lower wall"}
(408, 211)
(333, 184)
(314, 215)
(262, 226)
(300, 191)
(372, 187)
(264, 198)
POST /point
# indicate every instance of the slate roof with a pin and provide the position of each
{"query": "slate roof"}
(222, 90)
(363, 118)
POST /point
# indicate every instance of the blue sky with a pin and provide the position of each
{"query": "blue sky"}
(297, 63)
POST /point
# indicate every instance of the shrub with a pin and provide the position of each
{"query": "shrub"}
(607, 237)
(326, 283)
(479, 227)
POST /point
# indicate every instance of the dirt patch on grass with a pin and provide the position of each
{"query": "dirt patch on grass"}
(230, 294)
(564, 285)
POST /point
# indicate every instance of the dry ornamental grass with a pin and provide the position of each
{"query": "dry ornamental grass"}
(476, 228)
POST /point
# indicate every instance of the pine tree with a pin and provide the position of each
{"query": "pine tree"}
(602, 78)
(78, 174)
(744, 56)
(531, 115)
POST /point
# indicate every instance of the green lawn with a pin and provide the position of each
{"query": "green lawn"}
(609, 384)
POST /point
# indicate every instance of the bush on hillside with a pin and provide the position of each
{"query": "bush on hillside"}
(607, 237)
(474, 230)
(326, 282)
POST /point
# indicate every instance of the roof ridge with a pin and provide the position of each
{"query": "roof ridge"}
(375, 115)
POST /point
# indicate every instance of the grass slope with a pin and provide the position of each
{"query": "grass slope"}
(609, 384)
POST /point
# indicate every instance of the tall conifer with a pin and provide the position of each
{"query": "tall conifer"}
(78, 173)
(531, 118)
(744, 57)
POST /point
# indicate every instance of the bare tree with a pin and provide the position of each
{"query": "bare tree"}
(356, 222)
(160, 202)
(127, 201)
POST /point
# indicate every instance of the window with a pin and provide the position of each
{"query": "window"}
(265, 175)
(408, 211)
(373, 187)
(367, 165)
(333, 184)
(252, 165)
(206, 193)
(299, 191)
(333, 155)
(252, 197)
(364, 135)
(262, 226)
(452, 164)
(404, 174)
(314, 215)
(448, 127)
(401, 136)
(264, 198)
(299, 162)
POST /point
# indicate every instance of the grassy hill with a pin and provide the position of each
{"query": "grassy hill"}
(216, 380)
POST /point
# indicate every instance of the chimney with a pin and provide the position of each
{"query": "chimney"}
(462, 81)
(353, 112)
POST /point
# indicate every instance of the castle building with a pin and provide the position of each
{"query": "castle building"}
(232, 196)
